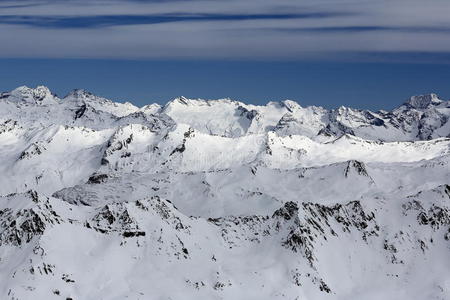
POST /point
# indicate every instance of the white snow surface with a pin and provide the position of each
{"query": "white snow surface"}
(218, 199)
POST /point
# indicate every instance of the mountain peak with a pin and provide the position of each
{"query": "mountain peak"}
(290, 105)
(39, 95)
(80, 93)
(423, 101)
(182, 100)
(83, 95)
(185, 102)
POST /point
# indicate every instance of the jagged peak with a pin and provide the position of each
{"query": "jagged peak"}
(182, 100)
(286, 119)
(344, 110)
(38, 95)
(81, 94)
(342, 137)
(291, 105)
(423, 101)
(357, 166)
(288, 211)
(39, 88)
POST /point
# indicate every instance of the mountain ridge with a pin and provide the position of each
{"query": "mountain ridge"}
(416, 101)
(419, 118)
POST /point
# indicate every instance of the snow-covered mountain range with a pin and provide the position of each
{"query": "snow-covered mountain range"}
(217, 199)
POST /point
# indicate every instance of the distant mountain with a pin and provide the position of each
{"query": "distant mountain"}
(218, 199)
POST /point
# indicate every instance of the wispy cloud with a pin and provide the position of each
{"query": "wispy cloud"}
(356, 29)
(234, 29)
(63, 22)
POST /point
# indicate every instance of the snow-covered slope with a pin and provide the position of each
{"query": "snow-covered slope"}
(218, 199)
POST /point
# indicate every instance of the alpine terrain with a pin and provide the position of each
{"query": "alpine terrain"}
(217, 199)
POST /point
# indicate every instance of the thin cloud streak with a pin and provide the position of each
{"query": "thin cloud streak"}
(205, 29)
(118, 20)
(352, 29)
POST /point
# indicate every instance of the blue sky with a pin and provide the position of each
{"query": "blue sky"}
(365, 53)
(330, 84)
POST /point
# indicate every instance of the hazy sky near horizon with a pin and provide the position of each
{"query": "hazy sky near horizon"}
(253, 50)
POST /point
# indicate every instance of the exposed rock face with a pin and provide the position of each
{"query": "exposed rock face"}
(20, 225)
(423, 101)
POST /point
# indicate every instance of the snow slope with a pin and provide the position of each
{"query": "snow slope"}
(218, 199)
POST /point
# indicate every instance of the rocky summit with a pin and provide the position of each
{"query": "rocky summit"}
(218, 199)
